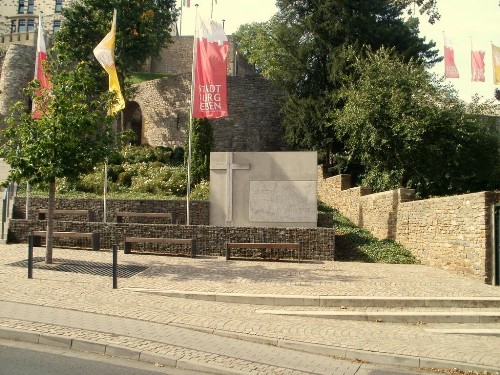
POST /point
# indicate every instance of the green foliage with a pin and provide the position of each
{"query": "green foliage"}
(397, 121)
(201, 191)
(355, 244)
(143, 29)
(139, 77)
(140, 172)
(301, 49)
(72, 135)
(178, 155)
(201, 145)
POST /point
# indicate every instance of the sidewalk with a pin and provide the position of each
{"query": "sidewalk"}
(142, 320)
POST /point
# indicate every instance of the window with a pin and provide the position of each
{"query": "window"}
(31, 25)
(13, 27)
(20, 7)
(31, 6)
(57, 25)
(22, 26)
(58, 6)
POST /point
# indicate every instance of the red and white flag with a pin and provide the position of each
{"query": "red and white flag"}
(450, 69)
(210, 71)
(41, 56)
(477, 64)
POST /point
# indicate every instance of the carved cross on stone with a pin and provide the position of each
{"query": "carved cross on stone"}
(229, 167)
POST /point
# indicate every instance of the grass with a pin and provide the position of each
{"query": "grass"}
(138, 77)
(355, 244)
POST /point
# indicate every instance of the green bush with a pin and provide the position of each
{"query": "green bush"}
(178, 155)
(356, 244)
(201, 191)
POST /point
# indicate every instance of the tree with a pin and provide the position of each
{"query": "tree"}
(72, 135)
(308, 40)
(201, 144)
(407, 129)
(143, 30)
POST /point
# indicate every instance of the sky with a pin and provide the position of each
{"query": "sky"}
(463, 22)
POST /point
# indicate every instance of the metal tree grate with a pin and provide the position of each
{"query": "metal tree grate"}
(81, 266)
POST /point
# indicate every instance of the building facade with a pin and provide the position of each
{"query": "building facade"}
(19, 19)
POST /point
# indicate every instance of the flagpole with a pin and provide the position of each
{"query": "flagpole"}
(471, 68)
(180, 21)
(212, 10)
(190, 131)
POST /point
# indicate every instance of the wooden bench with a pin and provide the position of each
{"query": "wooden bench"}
(176, 241)
(95, 238)
(155, 215)
(294, 246)
(42, 213)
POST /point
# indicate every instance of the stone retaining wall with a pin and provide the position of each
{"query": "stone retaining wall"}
(198, 209)
(453, 233)
(316, 243)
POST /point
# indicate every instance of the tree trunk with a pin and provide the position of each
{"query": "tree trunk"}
(50, 221)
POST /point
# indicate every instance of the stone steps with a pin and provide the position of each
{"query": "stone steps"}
(396, 317)
(330, 301)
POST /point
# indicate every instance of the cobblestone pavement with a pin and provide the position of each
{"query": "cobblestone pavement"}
(84, 305)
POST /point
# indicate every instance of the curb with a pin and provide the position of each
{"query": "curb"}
(394, 317)
(324, 350)
(111, 350)
(327, 301)
(352, 354)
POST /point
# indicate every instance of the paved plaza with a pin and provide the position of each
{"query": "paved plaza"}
(251, 317)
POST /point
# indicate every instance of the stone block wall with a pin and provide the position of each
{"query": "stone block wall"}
(17, 72)
(198, 209)
(453, 233)
(336, 191)
(177, 58)
(253, 123)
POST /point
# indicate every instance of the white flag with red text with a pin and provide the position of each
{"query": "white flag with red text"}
(40, 75)
(450, 68)
(210, 70)
(477, 64)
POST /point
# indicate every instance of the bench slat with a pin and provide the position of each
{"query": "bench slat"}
(42, 213)
(155, 215)
(262, 245)
(182, 241)
(179, 241)
(95, 238)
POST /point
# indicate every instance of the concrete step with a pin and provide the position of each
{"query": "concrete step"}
(330, 301)
(466, 331)
(396, 316)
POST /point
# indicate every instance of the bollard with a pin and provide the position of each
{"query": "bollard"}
(115, 266)
(30, 256)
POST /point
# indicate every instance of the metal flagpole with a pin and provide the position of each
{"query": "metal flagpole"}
(188, 190)
(27, 200)
(105, 189)
(212, 10)
(180, 19)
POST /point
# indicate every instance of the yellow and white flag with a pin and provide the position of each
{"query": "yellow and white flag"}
(105, 54)
(496, 64)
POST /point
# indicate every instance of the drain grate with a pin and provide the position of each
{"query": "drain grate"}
(81, 266)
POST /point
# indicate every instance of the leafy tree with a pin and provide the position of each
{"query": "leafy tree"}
(407, 129)
(302, 49)
(72, 135)
(201, 144)
(143, 29)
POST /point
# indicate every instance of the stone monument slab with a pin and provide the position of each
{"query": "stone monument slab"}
(263, 189)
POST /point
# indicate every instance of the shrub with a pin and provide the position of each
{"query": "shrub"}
(201, 191)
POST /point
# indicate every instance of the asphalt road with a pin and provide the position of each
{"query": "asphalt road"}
(18, 358)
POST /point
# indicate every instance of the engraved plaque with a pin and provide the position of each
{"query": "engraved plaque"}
(282, 201)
